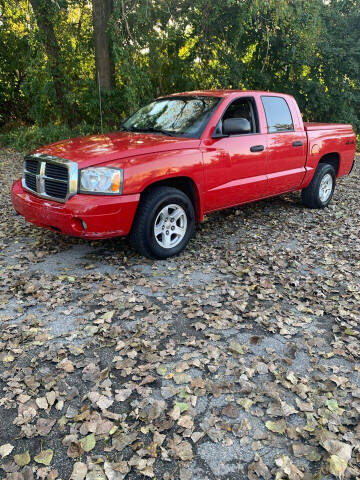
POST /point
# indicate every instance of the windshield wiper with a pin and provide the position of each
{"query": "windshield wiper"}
(153, 130)
(125, 129)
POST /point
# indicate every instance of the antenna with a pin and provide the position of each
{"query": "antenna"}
(100, 104)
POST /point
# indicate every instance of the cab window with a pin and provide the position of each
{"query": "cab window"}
(278, 115)
(243, 108)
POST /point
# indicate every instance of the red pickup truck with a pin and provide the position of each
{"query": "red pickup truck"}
(178, 158)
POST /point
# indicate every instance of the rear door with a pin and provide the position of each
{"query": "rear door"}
(235, 166)
(286, 146)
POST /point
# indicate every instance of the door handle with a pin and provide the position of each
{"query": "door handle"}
(257, 148)
(297, 144)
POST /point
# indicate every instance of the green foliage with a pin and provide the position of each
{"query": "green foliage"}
(14, 54)
(26, 138)
(308, 48)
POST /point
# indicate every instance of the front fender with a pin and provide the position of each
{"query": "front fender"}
(144, 170)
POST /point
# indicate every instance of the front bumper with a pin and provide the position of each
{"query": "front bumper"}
(85, 216)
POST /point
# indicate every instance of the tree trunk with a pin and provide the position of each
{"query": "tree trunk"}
(46, 29)
(102, 10)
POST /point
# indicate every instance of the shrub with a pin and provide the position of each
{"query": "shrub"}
(27, 138)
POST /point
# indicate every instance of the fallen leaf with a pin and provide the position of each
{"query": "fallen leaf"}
(230, 411)
(161, 370)
(42, 403)
(292, 472)
(332, 405)
(246, 403)
(50, 397)
(116, 470)
(7, 358)
(235, 347)
(22, 459)
(44, 457)
(182, 406)
(104, 402)
(88, 443)
(157, 408)
(66, 365)
(278, 426)
(123, 395)
(79, 471)
(122, 440)
(337, 465)
(258, 469)
(6, 449)
(183, 451)
(335, 447)
(180, 378)
(186, 422)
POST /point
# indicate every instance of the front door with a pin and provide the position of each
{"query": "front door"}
(235, 166)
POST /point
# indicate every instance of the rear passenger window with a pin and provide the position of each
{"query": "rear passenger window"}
(278, 114)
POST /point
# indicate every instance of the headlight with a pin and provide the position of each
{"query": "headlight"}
(101, 180)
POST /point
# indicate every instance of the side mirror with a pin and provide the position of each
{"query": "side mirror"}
(236, 126)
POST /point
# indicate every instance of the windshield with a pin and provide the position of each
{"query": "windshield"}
(178, 116)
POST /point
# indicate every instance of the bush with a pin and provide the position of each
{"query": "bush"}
(27, 138)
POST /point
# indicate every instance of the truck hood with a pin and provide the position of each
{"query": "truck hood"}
(96, 149)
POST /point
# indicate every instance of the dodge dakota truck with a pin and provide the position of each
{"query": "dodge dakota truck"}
(177, 159)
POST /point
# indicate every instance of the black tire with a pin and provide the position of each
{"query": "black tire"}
(142, 235)
(311, 195)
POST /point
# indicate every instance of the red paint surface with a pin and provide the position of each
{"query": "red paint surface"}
(104, 216)
(223, 170)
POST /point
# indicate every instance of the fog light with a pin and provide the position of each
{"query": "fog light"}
(78, 224)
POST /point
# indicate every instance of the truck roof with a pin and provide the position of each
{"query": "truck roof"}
(221, 93)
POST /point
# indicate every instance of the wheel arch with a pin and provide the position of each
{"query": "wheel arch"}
(184, 184)
(333, 159)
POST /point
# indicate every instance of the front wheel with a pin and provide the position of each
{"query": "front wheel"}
(320, 191)
(164, 223)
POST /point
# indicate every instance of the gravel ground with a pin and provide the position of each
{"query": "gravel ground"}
(237, 359)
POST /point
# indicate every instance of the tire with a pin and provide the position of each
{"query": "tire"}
(320, 191)
(163, 224)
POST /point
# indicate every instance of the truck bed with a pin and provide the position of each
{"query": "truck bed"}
(314, 126)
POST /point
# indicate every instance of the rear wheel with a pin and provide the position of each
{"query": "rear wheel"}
(164, 223)
(320, 191)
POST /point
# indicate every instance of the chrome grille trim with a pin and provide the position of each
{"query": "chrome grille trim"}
(43, 159)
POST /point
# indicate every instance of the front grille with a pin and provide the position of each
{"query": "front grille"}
(55, 189)
(56, 171)
(30, 181)
(50, 177)
(32, 166)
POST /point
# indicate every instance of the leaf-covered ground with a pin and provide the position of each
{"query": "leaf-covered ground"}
(237, 360)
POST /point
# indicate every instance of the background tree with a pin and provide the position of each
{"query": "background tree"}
(102, 10)
(51, 50)
(45, 16)
(14, 54)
